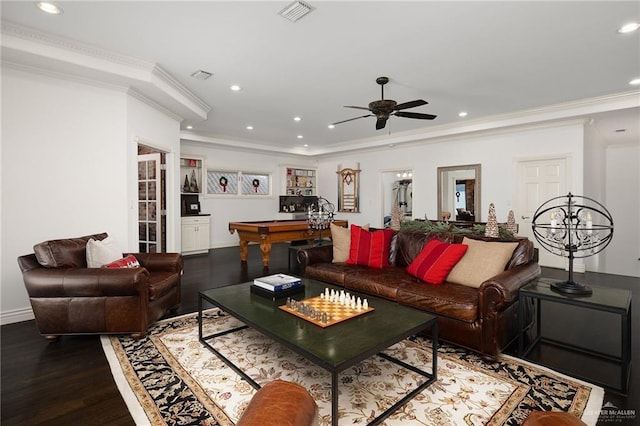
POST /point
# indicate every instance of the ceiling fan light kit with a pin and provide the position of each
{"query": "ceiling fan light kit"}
(384, 108)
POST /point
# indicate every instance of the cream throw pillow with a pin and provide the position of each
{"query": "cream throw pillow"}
(102, 252)
(483, 260)
(341, 238)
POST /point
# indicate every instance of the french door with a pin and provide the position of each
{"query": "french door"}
(149, 203)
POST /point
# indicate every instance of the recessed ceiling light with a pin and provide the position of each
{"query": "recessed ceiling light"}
(235, 88)
(331, 126)
(635, 82)
(249, 127)
(300, 136)
(49, 7)
(306, 145)
(462, 114)
(628, 28)
(297, 118)
(189, 127)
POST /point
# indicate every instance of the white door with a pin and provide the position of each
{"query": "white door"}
(149, 204)
(539, 181)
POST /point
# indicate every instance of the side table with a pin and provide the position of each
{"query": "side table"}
(614, 301)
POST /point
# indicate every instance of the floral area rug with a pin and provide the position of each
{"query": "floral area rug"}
(170, 378)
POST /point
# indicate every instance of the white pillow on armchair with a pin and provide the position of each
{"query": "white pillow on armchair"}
(102, 252)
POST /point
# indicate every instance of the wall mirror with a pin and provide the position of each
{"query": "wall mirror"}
(459, 193)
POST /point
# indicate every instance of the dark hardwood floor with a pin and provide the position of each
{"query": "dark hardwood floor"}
(69, 382)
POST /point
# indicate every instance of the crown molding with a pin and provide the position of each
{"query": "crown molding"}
(536, 117)
(85, 62)
(571, 113)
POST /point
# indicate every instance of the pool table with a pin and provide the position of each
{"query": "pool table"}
(267, 232)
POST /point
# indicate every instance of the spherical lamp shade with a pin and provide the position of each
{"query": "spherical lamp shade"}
(572, 226)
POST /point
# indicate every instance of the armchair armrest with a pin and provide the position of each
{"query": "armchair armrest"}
(89, 282)
(169, 262)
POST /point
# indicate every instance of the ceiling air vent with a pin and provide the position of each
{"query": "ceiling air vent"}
(295, 11)
(201, 75)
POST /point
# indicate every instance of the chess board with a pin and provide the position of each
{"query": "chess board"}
(338, 312)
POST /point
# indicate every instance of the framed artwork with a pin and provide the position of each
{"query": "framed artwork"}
(349, 190)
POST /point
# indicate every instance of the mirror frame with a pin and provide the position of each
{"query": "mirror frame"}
(476, 197)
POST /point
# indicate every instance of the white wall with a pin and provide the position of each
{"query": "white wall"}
(233, 208)
(622, 199)
(66, 167)
(497, 153)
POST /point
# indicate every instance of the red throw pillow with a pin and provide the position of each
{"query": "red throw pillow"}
(369, 248)
(129, 261)
(436, 260)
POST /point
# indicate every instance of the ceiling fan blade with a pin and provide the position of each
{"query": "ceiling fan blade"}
(357, 107)
(410, 104)
(351, 119)
(381, 122)
(415, 115)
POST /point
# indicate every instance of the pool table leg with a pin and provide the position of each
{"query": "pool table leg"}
(244, 250)
(265, 248)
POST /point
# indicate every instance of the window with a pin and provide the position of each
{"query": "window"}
(222, 182)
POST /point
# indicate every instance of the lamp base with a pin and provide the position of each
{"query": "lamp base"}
(572, 288)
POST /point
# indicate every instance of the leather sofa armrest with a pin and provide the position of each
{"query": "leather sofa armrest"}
(504, 287)
(169, 262)
(317, 254)
(89, 282)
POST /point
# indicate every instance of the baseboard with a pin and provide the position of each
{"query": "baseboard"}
(16, 315)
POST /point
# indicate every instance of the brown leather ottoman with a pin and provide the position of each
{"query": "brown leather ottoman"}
(552, 418)
(280, 403)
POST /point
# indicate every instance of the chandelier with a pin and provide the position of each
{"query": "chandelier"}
(320, 217)
(572, 226)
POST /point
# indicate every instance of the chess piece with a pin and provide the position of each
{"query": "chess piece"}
(365, 304)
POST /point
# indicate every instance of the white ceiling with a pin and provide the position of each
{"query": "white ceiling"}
(491, 59)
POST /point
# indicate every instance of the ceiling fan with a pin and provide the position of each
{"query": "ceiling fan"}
(384, 108)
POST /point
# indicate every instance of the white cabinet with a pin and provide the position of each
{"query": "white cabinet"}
(195, 234)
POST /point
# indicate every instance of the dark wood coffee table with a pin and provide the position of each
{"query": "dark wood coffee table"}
(334, 348)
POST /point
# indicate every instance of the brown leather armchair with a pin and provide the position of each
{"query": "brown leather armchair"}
(67, 297)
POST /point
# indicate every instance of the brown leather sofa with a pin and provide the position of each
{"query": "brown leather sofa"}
(67, 297)
(482, 319)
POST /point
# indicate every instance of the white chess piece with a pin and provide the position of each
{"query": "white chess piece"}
(365, 304)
